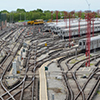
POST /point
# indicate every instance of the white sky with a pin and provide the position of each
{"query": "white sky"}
(67, 5)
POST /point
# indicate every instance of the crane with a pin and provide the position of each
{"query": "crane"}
(88, 4)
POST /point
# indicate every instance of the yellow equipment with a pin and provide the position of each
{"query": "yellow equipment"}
(49, 21)
(45, 44)
(18, 72)
(38, 22)
(30, 22)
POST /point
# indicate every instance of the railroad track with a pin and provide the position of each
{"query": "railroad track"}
(28, 86)
(5, 65)
(73, 74)
(23, 85)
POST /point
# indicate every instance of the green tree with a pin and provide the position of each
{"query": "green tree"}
(39, 10)
(20, 10)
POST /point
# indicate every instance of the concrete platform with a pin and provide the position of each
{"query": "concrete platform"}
(43, 84)
(56, 85)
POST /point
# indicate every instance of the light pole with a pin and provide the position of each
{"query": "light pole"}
(25, 16)
(20, 16)
(10, 17)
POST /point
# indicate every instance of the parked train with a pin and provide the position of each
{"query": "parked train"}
(57, 28)
(75, 31)
(62, 28)
(94, 43)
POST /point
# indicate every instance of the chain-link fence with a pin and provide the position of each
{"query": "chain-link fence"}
(3, 21)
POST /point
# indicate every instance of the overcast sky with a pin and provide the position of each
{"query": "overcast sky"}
(67, 5)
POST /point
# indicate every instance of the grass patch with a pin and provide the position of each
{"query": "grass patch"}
(73, 61)
(91, 64)
(98, 92)
(83, 57)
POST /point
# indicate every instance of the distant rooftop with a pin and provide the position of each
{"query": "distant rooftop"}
(87, 11)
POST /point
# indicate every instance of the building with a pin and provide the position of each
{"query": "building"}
(88, 11)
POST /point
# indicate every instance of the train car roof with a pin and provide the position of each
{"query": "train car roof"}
(92, 38)
(63, 24)
(74, 28)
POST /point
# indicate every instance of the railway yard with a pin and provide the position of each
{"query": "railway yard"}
(37, 62)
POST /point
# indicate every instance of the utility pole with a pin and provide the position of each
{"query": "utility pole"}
(98, 14)
(65, 17)
(51, 16)
(56, 17)
(69, 15)
(25, 16)
(73, 15)
(10, 17)
(79, 15)
(20, 16)
(88, 19)
(93, 16)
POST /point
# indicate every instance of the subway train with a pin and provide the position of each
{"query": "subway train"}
(75, 31)
(61, 29)
(94, 43)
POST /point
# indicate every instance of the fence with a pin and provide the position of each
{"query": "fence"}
(3, 21)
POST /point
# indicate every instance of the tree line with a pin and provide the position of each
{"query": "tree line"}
(21, 15)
